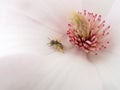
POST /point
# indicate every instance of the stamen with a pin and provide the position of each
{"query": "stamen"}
(86, 31)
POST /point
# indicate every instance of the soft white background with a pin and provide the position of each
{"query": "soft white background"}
(28, 63)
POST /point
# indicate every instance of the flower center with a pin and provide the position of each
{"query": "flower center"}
(88, 32)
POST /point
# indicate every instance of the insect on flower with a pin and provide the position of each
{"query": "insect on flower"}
(88, 32)
(57, 45)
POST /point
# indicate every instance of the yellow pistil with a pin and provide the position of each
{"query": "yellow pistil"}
(81, 25)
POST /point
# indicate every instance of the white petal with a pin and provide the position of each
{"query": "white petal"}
(109, 61)
(53, 13)
(101, 7)
(60, 72)
(109, 72)
(113, 20)
(19, 33)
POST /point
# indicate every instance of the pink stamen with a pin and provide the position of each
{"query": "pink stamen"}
(85, 12)
(94, 42)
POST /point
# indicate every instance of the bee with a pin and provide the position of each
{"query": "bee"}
(57, 45)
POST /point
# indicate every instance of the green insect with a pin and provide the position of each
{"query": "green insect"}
(57, 45)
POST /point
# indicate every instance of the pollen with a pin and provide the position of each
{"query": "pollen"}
(88, 32)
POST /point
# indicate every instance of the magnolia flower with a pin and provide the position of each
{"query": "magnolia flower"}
(27, 62)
